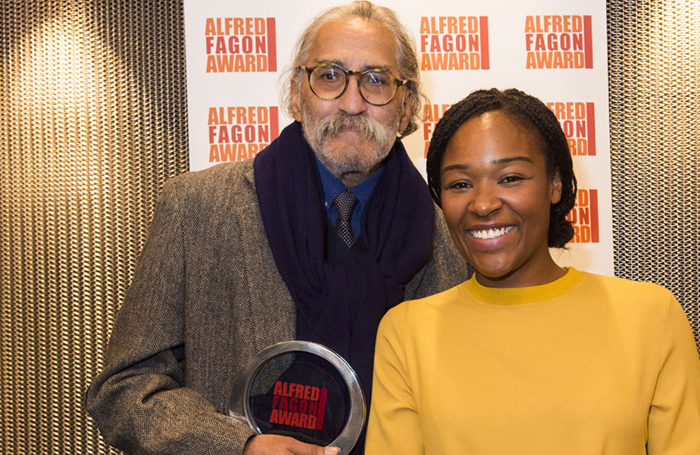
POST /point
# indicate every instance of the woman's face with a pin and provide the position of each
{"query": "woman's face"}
(496, 196)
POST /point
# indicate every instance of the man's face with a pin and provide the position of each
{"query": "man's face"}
(349, 135)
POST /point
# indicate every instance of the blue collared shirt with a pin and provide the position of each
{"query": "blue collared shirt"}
(332, 186)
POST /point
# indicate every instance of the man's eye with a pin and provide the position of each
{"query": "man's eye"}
(376, 79)
(328, 75)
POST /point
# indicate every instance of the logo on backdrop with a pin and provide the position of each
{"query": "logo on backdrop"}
(432, 113)
(558, 42)
(240, 44)
(454, 43)
(298, 405)
(578, 122)
(584, 217)
(237, 133)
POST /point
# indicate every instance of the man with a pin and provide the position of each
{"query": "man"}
(246, 255)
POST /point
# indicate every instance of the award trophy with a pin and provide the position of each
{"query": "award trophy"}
(303, 390)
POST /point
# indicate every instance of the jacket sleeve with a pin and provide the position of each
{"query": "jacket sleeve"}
(140, 401)
(674, 416)
(445, 269)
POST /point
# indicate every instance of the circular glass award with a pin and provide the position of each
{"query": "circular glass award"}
(303, 390)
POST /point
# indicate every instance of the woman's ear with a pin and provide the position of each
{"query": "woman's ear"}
(555, 188)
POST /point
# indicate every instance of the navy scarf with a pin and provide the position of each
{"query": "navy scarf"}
(340, 304)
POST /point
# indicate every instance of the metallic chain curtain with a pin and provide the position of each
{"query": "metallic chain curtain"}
(93, 120)
(654, 71)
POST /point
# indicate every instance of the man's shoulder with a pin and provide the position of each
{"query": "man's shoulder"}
(218, 175)
(221, 185)
(445, 251)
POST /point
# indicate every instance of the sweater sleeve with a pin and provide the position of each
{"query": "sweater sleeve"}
(140, 400)
(393, 426)
(674, 416)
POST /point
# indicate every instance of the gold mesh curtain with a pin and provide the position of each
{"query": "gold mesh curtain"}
(654, 72)
(93, 120)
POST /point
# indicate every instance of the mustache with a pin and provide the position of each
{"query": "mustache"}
(331, 126)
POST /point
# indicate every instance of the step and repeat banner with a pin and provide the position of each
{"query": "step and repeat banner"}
(553, 49)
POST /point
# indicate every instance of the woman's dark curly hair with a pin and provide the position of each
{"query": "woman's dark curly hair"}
(530, 113)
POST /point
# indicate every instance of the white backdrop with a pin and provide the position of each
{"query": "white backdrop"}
(553, 49)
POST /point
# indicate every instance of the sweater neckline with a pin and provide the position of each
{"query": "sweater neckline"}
(519, 296)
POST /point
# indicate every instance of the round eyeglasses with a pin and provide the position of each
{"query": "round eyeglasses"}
(329, 81)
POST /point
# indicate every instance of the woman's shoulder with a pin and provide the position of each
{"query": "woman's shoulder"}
(418, 309)
(410, 321)
(637, 296)
(622, 285)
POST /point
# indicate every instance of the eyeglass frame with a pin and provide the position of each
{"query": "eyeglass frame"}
(360, 74)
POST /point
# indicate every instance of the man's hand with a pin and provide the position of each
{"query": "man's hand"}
(272, 444)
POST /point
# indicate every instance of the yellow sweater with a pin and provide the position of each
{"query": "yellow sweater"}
(585, 365)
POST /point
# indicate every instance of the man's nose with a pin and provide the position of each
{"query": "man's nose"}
(351, 102)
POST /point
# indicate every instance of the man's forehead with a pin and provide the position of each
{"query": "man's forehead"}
(356, 45)
(341, 63)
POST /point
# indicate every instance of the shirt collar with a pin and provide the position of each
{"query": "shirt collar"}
(332, 186)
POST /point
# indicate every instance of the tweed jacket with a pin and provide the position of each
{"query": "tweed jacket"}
(205, 298)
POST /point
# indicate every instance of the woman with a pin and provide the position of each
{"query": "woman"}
(527, 357)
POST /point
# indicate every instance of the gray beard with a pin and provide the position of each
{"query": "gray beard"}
(344, 162)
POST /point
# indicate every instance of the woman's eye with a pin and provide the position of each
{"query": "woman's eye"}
(511, 179)
(458, 185)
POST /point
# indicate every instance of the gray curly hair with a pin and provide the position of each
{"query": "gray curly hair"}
(406, 58)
